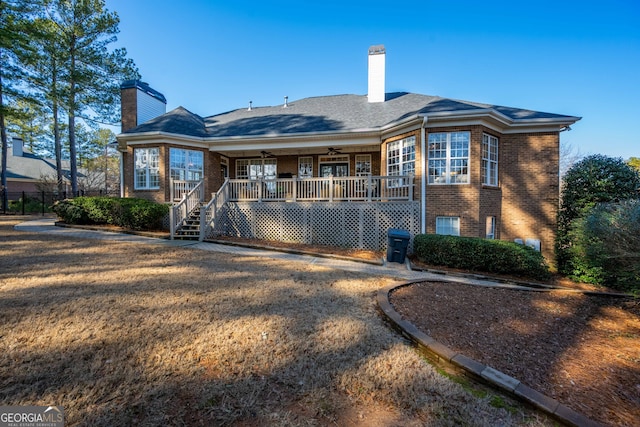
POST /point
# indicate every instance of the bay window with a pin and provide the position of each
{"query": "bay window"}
(147, 168)
(401, 159)
(448, 155)
(186, 165)
(489, 160)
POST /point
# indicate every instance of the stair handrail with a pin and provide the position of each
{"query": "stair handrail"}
(209, 213)
(181, 210)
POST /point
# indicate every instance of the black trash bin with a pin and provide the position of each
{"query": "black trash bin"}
(398, 244)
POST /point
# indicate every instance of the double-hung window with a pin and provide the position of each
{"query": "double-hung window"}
(448, 155)
(186, 165)
(147, 168)
(401, 159)
(489, 160)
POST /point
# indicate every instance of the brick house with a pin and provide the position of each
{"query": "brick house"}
(29, 173)
(342, 169)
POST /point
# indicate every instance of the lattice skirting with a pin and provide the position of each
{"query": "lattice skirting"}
(359, 225)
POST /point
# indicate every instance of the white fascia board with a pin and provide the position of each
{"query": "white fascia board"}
(160, 138)
(498, 122)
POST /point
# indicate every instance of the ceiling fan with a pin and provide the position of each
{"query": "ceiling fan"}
(265, 154)
(333, 151)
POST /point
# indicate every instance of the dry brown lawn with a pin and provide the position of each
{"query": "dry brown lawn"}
(137, 334)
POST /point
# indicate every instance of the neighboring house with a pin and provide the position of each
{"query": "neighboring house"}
(28, 172)
(335, 166)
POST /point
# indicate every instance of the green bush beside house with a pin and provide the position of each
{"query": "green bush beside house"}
(482, 255)
(135, 214)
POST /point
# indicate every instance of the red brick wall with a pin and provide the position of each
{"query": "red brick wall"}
(529, 179)
(129, 109)
(525, 201)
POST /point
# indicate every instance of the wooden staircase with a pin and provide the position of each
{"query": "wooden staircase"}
(190, 229)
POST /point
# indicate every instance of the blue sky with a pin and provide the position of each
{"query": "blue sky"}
(579, 58)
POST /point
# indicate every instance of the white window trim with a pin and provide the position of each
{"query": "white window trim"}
(256, 161)
(402, 144)
(490, 175)
(448, 177)
(490, 231)
(451, 223)
(147, 168)
(173, 150)
(308, 161)
(342, 158)
(363, 158)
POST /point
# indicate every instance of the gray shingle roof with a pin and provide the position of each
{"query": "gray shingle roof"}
(338, 113)
(33, 168)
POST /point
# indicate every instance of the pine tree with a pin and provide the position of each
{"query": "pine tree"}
(14, 49)
(92, 72)
(45, 80)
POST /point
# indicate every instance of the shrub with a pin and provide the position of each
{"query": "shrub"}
(136, 214)
(595, 179)
(476, 254)
(606, 246)
(70, 212)
(144, 214)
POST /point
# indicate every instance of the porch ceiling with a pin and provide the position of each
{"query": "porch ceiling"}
(297, 146)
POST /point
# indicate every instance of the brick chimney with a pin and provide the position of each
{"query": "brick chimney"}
(139, 103)
(376, 73)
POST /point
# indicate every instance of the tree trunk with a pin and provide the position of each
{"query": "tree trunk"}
(3, 134)
(72, 125)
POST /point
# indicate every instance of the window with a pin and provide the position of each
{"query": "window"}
(256, 168)
(147, 162)
(489, 160)
(491, 227)
(305, 167)
(448, 225)
(401, 159)
(363, 164)
(448, 158)
(186, 165)
(401, 156)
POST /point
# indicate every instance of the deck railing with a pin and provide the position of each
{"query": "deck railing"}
(209, 213)
(180, 188)
(181, 210)
(350, 188)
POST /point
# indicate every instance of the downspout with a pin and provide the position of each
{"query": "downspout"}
(121, 174)
(424, 177)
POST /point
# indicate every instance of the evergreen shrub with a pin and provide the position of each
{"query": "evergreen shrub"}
(136, 214)
(482, 255)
